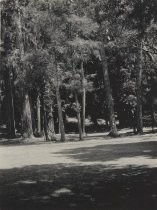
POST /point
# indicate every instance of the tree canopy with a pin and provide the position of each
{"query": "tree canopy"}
(84, 59)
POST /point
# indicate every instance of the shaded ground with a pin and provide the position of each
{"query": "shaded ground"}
(100, 174)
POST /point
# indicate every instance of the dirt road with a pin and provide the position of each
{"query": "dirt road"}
(121, 152)
(97, 174)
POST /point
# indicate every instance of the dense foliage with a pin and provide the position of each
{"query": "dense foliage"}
(64, 59)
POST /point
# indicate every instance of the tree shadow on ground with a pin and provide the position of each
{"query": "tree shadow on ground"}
(110, 152)
(64, 187)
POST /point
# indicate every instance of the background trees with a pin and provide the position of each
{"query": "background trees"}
(64, 54)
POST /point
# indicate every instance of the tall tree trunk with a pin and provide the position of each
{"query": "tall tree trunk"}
(58, 127)
(0, 81)
(10, 104)
(42, 112)
(45, 123)
(47, 120)
(59, 106)
(109, 99)
(152, 117)
(0, 110)
(78, 117)
(83, 101)
(19, 28)
(60, 114)
(84, 111)
(27, 130)
(139, 92)
(27, 120)
(50, 125)
(38, 116)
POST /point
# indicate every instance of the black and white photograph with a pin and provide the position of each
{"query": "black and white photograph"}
(78, 104)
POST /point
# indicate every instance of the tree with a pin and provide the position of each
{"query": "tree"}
(27, 130)
(140, 14)
(81, 47)
(60, 114)
(109, 100)
(73, 83)
(7, 20)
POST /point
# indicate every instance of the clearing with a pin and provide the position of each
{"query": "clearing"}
(97, 174)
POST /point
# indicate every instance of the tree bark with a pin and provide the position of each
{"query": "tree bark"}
(109, 99)
(38, 116)
(19, 28)
(60, 114)
(78, 117)
(152, 117)
(45, 122)
(27, 130)
(139, 92)
(42, 113)
(10, 104)
(83, 101)
(50, 130)
(0, 111)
